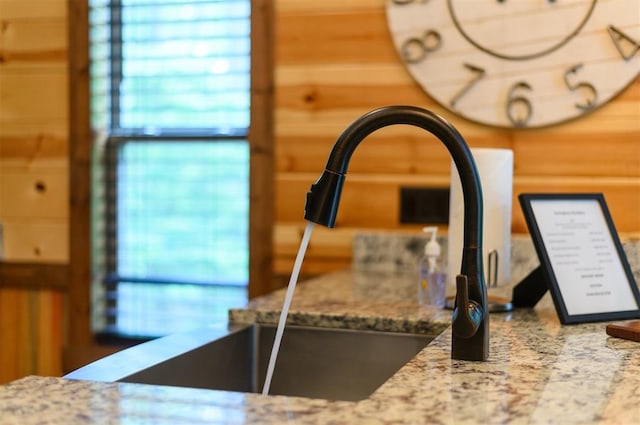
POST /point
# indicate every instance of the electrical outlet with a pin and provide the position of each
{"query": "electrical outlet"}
(424, 205)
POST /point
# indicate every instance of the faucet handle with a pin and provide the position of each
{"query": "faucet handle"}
(467, 314)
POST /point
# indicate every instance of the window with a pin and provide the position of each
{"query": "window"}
(170, 97)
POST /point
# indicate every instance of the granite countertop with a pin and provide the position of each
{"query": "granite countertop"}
(538, 371)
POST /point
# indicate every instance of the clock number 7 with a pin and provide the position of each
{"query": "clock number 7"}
(520, 105)
(415, 49)
(591, 101)
(479, 74)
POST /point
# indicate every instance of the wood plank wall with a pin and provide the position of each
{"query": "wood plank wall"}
(34, 206)
(334, 61)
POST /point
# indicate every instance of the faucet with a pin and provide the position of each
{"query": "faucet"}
(470, 321)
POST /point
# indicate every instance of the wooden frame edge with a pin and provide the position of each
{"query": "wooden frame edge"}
(261, 142)
(34, 275)
(80, 147)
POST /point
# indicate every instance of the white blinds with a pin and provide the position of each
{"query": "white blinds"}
(170, 64)
(170, 93)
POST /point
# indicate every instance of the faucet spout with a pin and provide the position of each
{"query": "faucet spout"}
(471, 329)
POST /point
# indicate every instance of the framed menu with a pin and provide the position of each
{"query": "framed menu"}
(581, 257)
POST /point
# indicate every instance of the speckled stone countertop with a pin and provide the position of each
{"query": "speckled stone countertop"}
(538, 371)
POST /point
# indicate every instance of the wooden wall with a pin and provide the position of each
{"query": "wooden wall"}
(334, 60)
(34, 201)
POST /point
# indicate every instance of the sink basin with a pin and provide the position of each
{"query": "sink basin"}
(335, 364)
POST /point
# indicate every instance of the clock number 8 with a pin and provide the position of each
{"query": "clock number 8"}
(415, 49)
(519, 108)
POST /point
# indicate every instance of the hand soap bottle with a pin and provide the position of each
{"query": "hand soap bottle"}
(432, 279)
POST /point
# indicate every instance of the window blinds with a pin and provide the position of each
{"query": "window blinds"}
(170, 96)
(170, 64)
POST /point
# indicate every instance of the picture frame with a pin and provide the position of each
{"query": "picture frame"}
(582, 261)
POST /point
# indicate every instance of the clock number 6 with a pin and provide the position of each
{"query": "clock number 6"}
(415, 49)
(519, 108)
(591, 100)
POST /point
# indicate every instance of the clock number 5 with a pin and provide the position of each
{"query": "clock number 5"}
(591, 100)
(519, 108)
(415, 49)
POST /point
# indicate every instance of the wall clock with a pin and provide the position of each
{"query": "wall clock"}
(518, 63)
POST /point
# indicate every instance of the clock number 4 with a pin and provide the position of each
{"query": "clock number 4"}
(627, 46)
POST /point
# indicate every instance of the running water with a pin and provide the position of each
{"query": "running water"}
(285, 307)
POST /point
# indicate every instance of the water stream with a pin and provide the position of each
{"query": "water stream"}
(285, 307)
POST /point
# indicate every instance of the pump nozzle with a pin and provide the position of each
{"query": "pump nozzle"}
(432, 248)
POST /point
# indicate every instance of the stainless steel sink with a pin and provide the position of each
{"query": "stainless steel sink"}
(334, 364)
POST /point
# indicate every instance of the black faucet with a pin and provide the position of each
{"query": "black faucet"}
(470, 316)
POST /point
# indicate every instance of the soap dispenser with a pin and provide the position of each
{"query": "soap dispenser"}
(432, 278)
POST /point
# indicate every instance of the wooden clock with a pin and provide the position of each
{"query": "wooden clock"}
(518, 63)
